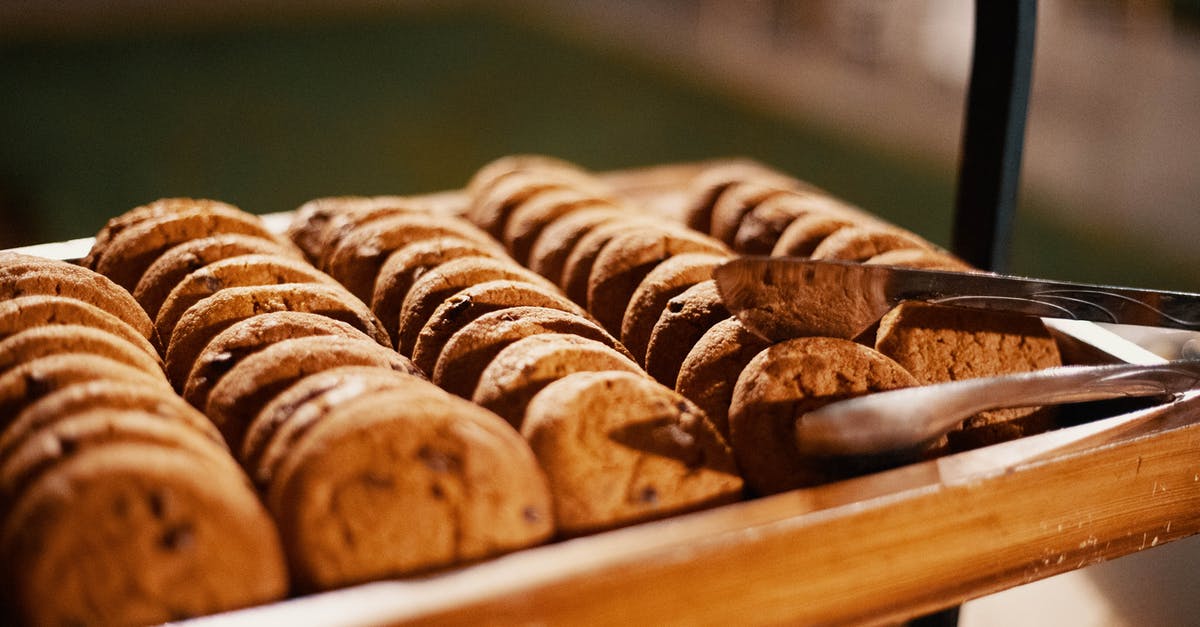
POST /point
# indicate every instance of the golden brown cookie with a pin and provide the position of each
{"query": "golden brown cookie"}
(736, 201)
(317, 222)
(249, 336)
(938, 343)
(805, 233)
(132, 251)
(135, 533)
(469, 303)
(666, 281)
(711, 369)
(181, 260)
(74, 338)
(163, 207)
(442, 282)
(445, 482)
(859, 243)
(762, 226)
(240, 271)
(579, 263)
(619, 448)
(104, 394)
(553, 245)
(407, 263)
(27, 312)
(627, 258)
(26, 275)
(921, 258)
(492, 206)
(204, 320)
(529, 218)
(274, 430)
(779, 385)
(473, 347)
(684, 320)
(526, 366)
(255, 380)
(356, 260)
(496, 170)
(706, 189)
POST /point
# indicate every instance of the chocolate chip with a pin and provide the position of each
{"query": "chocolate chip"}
(158, 501)
(531, 514)
(436, 492)
(177, 537)
(648, 495)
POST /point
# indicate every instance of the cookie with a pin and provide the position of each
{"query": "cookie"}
(255, 380)
(30, 381)
(274, 430)
(204, 320)
(104, 394)
(26, 275)
(132, 251)
(229, 347)
(74, 338)
(735, 202)
(553, 245)
(710, 370)
(468, 304)
(435, 286)
(526, 366)
(445, 482)
(529, 218)
(163, 207)
(762, 226)
(921, 258)
(472, 348)
(805, 233)
(684, 320)
(859, 243)
(619, 449)
(492, 205)
(135, 533)
(315, 223)
(778, 386)
(356, 260)
(626, 259)
(578, 267)
(240, 271)
(496, 170)
(27, 312)
(182, 259)
(405, 264)
(666, 281)
(707, 187)
(938, 343)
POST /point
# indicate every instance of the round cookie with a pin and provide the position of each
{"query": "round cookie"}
(240, 271)
(163, 207)
(407, 263)
(315, 222)
(526, 366)
(711, 369)
(779, 385)
(553, 245)
(134, 533)
(736, 201)
(805, 233)
(106, 394)
(939, 343)
(356, 260)
(132, 251)
(763, 225)
(25, 275)
(528, 219)
(578, 266)
(666, 281)
(204, 320)
(468, 304)
(496, 170)
(27, 312)
(229, 347)
(469, 351)
(74, 338)
(626, 259)
(256, 379)
(435, 286)
(682, 323)
(275, 429)
(181, 260)
(345, 224)
(619, 448)
(859, 243)
(921, 258)
(707, 187)
(445, 482)
(492, 206)
(23, 385)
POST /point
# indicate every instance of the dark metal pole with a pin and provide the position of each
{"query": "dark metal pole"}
(994, 131)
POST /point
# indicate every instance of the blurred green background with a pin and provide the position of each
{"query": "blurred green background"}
(267, 114)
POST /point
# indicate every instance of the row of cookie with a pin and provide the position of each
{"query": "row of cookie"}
(119, 503)
(494, 332)
(284, 360)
